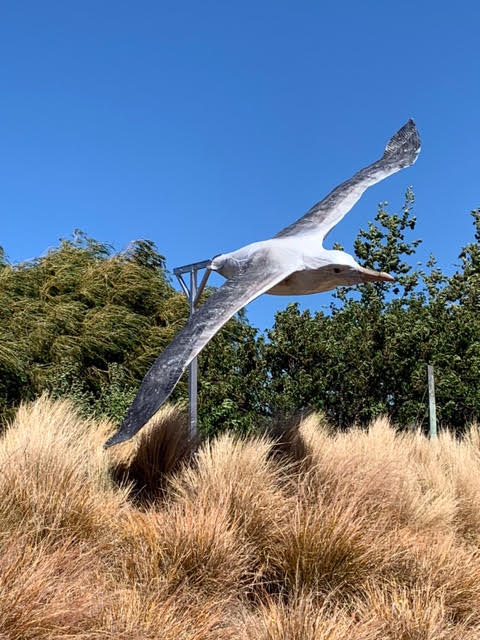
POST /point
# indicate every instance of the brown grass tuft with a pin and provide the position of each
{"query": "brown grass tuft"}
(304, 617)
(238, 478)
(157, 451)
(47, 591)
(393, 612)
(368, 534)
(55, 479)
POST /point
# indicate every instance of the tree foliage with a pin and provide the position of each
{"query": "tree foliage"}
(368, 356)
(88, 322)
(80, 319)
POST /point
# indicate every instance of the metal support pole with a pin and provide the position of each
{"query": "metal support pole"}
(431, 402)
(193, 368)
(193, 294)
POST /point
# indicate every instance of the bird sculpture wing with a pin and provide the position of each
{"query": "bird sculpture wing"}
(262, 271)
(401, 151)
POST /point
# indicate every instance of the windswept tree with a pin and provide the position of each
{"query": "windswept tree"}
(87, 322)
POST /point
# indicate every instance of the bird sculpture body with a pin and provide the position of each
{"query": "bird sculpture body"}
(294, 262)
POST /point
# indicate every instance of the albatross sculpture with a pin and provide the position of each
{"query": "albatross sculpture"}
(294, 262)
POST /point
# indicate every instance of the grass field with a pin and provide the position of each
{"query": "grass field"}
(355, 536)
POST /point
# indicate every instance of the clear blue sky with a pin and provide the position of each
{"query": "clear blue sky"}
(208, 125)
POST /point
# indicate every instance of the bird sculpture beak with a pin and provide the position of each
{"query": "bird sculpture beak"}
(370, 275)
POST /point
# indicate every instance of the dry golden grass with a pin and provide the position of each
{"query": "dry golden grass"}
(363, 535)
(148, 460)
(303, 617)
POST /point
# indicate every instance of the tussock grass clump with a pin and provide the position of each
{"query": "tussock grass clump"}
(237, 477)
(160, 448)
(303, 617)
(394, 612)
(55, 479)
(366, 534)
(47, 590)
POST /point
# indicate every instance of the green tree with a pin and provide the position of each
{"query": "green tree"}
(457, 353)
(86, 322)
(337, 362)
(232, 383)
(368, 356)
(80, 317)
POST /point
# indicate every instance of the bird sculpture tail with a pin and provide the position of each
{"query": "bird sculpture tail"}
(403, 149)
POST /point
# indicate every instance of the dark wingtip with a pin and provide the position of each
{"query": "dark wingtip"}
(125, 432)
(117, 438)
(403, 148)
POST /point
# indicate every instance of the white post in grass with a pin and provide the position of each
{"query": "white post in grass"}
(432, 410)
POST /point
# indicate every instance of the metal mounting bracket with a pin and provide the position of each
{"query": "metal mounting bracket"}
(193, 293)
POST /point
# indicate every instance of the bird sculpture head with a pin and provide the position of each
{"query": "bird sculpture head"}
(345, 271)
